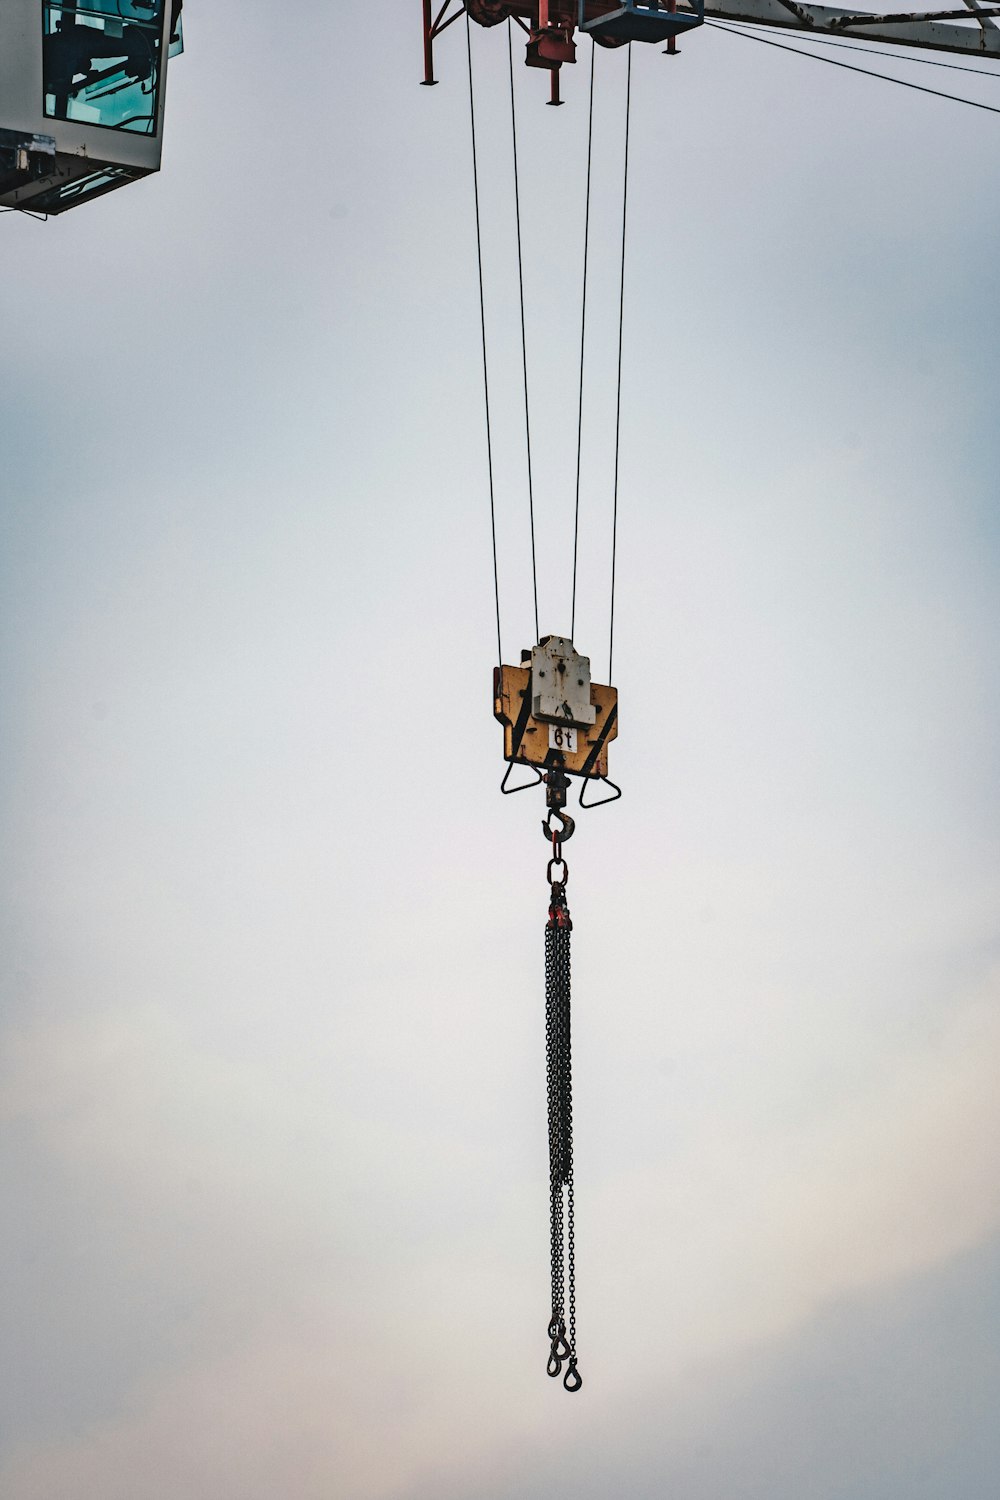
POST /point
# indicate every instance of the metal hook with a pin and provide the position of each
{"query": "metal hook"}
(560, 1350)
(572, 1380)
(568, 825)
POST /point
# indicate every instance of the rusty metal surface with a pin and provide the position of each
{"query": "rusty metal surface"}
(526, 739)
(940, 31)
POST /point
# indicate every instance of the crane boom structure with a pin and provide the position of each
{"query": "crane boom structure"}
(935, 30)
(970, 28)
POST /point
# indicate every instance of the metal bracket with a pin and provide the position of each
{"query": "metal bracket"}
(560, 683)
(617, 791)
(525, 786)
(433, 27)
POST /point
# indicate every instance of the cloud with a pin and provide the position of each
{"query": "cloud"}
(747, 1233)
(290, 1324)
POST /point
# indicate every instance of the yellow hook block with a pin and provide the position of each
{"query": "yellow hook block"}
(581, 750)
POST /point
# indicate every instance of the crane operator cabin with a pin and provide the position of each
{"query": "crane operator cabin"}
(82, 91)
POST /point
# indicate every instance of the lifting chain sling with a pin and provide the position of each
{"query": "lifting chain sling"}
(558, 1057)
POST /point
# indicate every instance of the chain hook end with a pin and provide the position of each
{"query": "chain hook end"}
(566, 829)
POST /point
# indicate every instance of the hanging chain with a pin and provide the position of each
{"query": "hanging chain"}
(562, 1323)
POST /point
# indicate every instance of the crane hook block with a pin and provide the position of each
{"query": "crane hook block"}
(551, 712)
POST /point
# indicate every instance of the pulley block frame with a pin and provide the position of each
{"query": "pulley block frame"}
(546, 740)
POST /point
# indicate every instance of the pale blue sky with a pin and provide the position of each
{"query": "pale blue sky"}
(272, 1041)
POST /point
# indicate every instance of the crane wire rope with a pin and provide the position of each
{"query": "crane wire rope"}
(524, 336)
(834, 62)
(482, 324)
(876, 51)
(524, 347)
(583, 337)
(618, 392)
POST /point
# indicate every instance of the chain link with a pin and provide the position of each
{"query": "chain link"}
(562, 1333)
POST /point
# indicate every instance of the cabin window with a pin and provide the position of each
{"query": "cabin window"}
(67, 194)
(101, 62)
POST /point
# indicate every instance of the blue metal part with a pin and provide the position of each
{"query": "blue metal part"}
(643, 20)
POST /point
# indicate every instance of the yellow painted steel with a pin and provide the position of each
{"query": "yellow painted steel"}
(526, 739)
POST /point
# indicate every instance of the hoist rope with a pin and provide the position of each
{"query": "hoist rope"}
(877, 51)
(904, 83)
(524, 336)
(482, 324)
(618, 392)
(583, 337)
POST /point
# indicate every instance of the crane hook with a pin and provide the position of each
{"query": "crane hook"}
(559, 835)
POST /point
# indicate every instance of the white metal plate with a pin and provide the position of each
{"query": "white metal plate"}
(560, 683)
(562, 738)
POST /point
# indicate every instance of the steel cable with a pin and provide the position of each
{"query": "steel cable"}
(904, 83)
(482, 322)
(524, 336)
(618, 394)
(583, 337)
(875, 50)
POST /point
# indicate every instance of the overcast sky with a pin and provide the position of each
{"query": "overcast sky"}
(273, 1076)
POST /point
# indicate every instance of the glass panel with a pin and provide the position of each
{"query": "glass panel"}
(70, 193)
(176, 29)
(101, 62)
